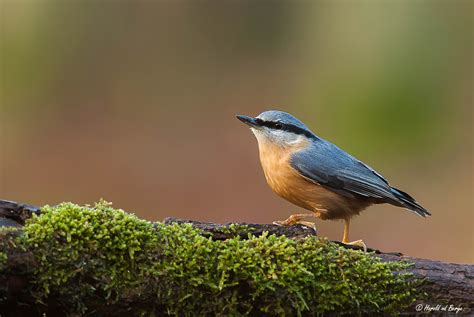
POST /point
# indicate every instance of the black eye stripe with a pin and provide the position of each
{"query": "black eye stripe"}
(286, 127)
(272, 124)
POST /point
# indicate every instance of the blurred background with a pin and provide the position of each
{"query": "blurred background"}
(135, 102)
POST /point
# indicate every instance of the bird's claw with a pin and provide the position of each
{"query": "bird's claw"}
(358, 243)
(291, 222)
(280, 223)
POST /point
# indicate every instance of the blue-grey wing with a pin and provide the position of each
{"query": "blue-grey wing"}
(324, 163)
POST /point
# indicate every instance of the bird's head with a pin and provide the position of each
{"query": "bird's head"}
(278, 127)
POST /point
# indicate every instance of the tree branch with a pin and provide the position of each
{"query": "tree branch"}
(445, 283)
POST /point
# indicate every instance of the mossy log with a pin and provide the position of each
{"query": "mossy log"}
(101, 261)
(445, 283)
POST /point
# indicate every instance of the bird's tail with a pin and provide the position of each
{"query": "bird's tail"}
(410, 203)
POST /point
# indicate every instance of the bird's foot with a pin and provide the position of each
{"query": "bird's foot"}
(295, 220)
(358, 243)
(292, 220)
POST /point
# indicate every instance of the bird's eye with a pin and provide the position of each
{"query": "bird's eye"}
(278, 126)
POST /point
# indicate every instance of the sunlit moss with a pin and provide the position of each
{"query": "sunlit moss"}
(96, 254)
(3, 258)
(232, 230)
(7, 238)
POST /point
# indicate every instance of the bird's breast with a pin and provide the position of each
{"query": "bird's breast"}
(282, 178)
(286, 182)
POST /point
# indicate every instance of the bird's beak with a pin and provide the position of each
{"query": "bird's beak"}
(252, 122)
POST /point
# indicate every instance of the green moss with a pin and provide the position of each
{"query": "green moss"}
(3, 259)
(97, 253)
(233, 230)
(7, 237)
(3, 249)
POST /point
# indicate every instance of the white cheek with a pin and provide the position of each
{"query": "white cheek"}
(255, 132)
(286, 138)
(262, 135)
(296, 139)
(278, 137)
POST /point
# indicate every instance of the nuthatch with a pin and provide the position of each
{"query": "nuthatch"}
(316, 175)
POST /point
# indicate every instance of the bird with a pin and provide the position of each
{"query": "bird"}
(318, 176)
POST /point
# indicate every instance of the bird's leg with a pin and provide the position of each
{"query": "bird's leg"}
(345, 237)
(296, 219)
